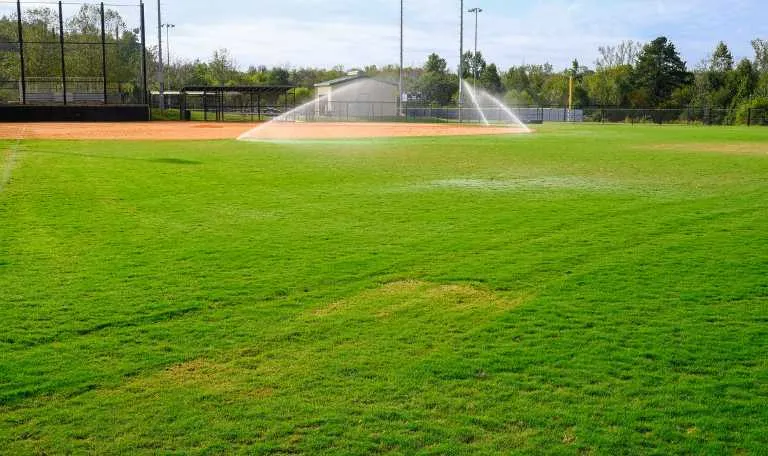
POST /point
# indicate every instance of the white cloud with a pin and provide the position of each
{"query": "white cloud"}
(326, 32)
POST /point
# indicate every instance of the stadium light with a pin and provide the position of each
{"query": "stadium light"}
(168, 41)
(474, 70)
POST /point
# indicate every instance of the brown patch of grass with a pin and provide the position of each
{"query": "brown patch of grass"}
(569, 436)
(204, 376)
(395, 296)
(465, 297)
(732, 148)
(389, 289)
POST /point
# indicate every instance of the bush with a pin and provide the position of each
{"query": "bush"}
(758, 114)
(168, 114)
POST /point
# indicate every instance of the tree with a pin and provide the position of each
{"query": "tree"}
(527, 82)
(516, 78)
(659, 71)
(436, 85)
(714, 83)
(474, 64)
(743, 82)
(490, 79)
(761, 54)
(437, 88)
(722, 59)
(518, 98)
(222, 69)
(555, 90)
(279, 76)
(625, 53)
(436, 64)
(602, 88)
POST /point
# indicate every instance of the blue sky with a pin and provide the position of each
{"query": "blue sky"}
(355, 33)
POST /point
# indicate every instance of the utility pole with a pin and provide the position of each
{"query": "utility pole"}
(461, 56)
(160, 69)
(474, 67)
(168, 41)
(400, 84)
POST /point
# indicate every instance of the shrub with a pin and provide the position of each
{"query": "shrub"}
(758, 107)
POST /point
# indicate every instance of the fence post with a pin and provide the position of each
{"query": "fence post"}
(21, 54)
(61, 43)
(144, 58)
(103, 52)
(182, 105)
(749, 117)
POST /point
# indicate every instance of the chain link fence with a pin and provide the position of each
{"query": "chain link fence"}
(688, 115)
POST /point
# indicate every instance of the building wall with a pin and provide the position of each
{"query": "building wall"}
(323, 91)
(366, 99)
(360, 99)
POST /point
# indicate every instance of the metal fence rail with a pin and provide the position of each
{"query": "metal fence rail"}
(241, 107)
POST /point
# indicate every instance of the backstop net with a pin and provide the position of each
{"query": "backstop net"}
(71, 53)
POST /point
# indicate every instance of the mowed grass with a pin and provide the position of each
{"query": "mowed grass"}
(586, 289)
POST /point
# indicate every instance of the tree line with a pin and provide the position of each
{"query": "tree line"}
(627, 75)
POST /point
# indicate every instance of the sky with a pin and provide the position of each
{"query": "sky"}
(357, 33)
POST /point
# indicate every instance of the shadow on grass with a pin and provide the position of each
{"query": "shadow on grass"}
(176, 161)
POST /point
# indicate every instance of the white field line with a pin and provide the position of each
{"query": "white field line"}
(13, 155)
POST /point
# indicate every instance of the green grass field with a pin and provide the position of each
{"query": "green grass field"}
(581, 290)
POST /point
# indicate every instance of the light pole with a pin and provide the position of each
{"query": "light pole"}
(474, 66)
(461, 56)
(168, 41)
(400, 83)
(160, 69)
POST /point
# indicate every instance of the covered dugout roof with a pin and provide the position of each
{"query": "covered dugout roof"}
(349, 78)
(256, 89)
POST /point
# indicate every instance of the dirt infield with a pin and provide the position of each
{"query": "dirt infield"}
(153, 131)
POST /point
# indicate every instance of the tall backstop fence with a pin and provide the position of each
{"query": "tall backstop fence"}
(72, 54)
